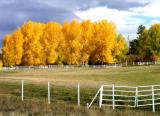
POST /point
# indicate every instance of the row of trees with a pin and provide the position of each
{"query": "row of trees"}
(1, 63)
(147, 45)
(71, 43)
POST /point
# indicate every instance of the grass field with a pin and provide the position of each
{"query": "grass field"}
(90, 77)
(64, 88)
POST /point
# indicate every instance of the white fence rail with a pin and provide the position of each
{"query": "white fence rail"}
(128, 96)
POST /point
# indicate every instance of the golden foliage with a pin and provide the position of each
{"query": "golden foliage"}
(104, 38)
(50, 40)
(73, 43)
(1, 63)
(8, 53)
(32, 32)
(87, 41)
(72, 37)
(13, 49)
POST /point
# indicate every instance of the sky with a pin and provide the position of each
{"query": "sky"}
(126, 14)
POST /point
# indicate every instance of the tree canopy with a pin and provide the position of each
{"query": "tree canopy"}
(73, 42)
(147, 44)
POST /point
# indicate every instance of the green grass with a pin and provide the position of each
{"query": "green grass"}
(88, 77)
(64, 86)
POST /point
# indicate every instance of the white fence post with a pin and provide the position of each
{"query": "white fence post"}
(153, 104)
(88, 105)
(22, 91)
(136, 97)
(78, 95)
(113, 98)
(49, 100)
(101, 95)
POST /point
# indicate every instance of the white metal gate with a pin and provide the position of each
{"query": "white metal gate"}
(128, 96)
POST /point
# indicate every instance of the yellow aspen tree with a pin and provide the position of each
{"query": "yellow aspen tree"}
(8, 52)
(32, 32)
(86, 41)
(120, 48)
(51, 38)
(17, 37)
(72, 36)
(104, 38)
(1, 63)
(13, 49)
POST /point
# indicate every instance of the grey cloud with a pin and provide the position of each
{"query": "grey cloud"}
(13, 13)
(122, 5)
(113, 4)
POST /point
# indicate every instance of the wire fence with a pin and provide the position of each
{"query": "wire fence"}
(48, 91)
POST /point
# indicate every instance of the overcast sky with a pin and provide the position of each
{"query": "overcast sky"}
(126, 14)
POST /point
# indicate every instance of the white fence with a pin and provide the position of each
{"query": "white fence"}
(58, 66)
(117, 96)
(78, 66)
(128, 96)
(49, 92)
